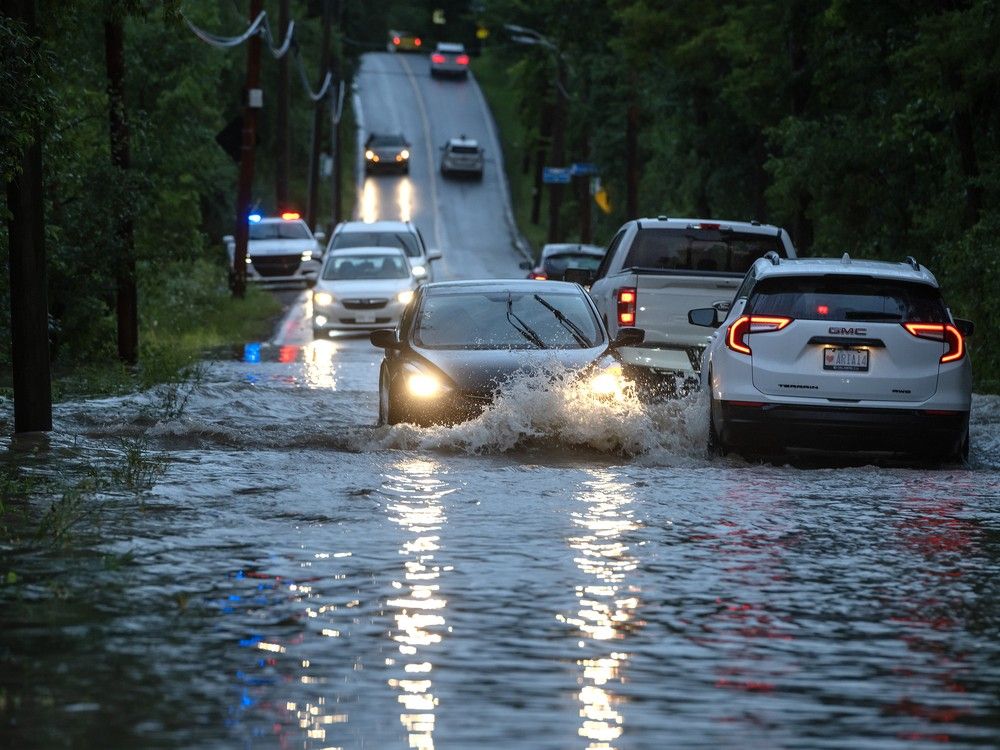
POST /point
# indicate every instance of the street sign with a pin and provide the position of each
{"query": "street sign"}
(482, 32)
(556, 175)
(582, 168)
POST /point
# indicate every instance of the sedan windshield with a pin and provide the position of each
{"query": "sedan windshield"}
(354, 267)
(405, 242)
(506, 320)
(280, 230)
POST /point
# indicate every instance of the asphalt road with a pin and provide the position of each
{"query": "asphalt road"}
(468, 220)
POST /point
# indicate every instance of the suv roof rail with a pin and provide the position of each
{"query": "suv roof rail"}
(912, 262)
(773, 256)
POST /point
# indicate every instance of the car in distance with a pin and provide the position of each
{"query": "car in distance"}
(557, 258)
(401, 234)
(655, 270)
(449, 60)
(387, 152)
(403, 41)
(838, 355)
(281, 250)
(462, 156)
(361, 289)
(458, 341)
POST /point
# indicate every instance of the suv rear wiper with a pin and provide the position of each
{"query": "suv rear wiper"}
(871, 315)
(568, 324)
(521, 327)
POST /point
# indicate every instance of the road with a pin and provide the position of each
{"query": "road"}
(546, 576)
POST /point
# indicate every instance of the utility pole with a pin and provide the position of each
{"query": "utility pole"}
(253, 101)
(29, 313)
(317, 131)
(126, 296)
(281, 134)
(338, 111)
(544, 137)
(632, 152)
(558, 149)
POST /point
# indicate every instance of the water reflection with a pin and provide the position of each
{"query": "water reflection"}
(404, 199)
(607, 604)
(369, 201)
(416, 493)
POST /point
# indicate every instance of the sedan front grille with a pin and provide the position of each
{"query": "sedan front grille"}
(276, 265)
(365, 304)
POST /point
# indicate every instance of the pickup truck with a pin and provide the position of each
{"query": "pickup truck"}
(656, 270)
(281, 250)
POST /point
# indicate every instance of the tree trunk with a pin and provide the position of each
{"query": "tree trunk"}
(558, 151)
(632, 152)
(29, 318)
(126, 299)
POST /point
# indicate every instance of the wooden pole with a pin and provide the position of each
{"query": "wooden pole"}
(317, 131)
(253, 100)
(281, 126)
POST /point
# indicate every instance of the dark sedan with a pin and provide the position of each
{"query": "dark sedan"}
(558, 258)
(459, 341)
(387, 153)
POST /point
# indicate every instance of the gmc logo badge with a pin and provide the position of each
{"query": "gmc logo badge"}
(839, 331)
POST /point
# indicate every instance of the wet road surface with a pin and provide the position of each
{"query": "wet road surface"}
(555, 574)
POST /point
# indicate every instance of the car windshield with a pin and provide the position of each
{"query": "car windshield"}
(386, 141)
(847, 298)
(404, 241)
(280, 230)
(479, 320)
(707, 250)
(559, 263)
(353, 267)
(465, 149)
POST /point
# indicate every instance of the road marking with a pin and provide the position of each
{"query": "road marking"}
(431, 171)
(293, 319)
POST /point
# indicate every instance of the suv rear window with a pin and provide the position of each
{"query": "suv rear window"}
(405, 242)
(707, 250)
(465, 149)
(833, 297)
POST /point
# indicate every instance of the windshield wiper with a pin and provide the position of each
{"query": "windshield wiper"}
(871, 315)
(568, 324)
(521, 327)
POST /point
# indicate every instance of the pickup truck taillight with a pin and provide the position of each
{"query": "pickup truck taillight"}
(626, 305)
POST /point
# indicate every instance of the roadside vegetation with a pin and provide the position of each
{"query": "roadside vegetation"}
(872, 130)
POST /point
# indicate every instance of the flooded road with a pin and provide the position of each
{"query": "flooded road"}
(271, 570)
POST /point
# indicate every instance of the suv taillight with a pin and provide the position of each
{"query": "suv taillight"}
(626, 305)
(940, 332)
(739, 328)
(437, 58)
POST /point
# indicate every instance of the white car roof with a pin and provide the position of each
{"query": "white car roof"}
(847, 266)
(750, 227)
(367, 251)
(375, 226)
(571, 247)
(463, 142)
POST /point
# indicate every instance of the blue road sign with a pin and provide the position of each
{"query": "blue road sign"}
(582, 168)
(556, 175)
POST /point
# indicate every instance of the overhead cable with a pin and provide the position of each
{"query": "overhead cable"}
(279, 52)
(222, 41)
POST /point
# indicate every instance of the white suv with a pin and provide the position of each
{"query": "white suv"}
(401, 234)
(838, 355)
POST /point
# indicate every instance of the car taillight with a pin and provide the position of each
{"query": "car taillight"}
(436, 58)
(627, 306)
(462, 59)
(396, 40)
(417, 42)
(940, 332)
(746, 324)
(539, 276)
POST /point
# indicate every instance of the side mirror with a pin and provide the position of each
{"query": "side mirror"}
(965, 327)
(628, 336)
(320, 236)
(581, 276)
(433, 255)
(525, 265)
(707, 317)
(384, 338)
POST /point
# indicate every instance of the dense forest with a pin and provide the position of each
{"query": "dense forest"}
(868, 128)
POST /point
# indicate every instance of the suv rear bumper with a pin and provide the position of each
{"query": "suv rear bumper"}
(773, 428)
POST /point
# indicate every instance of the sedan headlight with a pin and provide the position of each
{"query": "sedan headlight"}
(322, 299)
(307, 255)
(422, 385)
(404, 154)
(405, 297)
(369, 154)
(608, 382)
(419, 271)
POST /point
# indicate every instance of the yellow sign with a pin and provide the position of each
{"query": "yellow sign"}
(603, 200)
(482, 32)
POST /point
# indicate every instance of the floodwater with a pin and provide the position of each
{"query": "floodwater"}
(555, 574)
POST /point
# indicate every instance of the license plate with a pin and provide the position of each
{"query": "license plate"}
(854, 360)
(364, 318)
